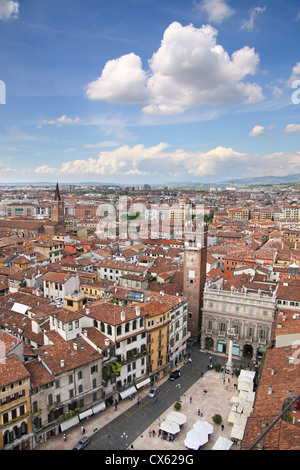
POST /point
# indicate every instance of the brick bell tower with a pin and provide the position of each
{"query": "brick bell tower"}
(57, 208)
(194, 276)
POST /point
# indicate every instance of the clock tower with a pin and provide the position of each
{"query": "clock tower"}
(194, 275)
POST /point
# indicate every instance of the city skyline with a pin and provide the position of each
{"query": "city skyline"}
(148, 92)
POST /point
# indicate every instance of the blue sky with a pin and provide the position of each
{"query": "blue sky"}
(148, 91)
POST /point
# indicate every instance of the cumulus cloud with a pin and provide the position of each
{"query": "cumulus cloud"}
(249, 24)
(217, 10)
(292, 128)
(122, 80)
(160, 162)
(258, 131)
(189, 69)
(9, 9)
(295, 75)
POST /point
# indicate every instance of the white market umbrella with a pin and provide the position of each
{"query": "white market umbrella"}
(222, 444)
(170, 427)
(177, 417)
(195, 439)
(207, 427)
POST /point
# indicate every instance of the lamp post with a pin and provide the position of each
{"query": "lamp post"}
(229, 364)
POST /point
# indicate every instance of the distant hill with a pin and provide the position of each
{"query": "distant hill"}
(263, 180)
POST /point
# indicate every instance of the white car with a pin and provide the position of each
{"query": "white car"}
(153, 392)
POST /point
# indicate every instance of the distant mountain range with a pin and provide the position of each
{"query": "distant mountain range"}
(263, 180)
(260, 180)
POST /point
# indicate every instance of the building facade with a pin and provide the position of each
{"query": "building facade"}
(250, 314)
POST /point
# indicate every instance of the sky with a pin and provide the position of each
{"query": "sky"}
(148, 91)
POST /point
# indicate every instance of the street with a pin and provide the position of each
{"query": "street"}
(125, 428)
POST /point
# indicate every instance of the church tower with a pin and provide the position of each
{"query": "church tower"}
(57, 208)
(194, 276)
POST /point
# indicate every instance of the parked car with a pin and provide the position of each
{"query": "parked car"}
(153, 392)
(175, 374)
(84, 441)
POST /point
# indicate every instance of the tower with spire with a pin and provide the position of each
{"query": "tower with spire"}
(57, 208)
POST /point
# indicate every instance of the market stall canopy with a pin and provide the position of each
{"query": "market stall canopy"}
(246, 380)
(177, 417)
(205, 426)
(170, 426)
(195, 439)
(237, 432)
(222, 444)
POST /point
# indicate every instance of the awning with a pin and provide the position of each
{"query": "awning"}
(141, 384)
(237, 432)
(222, 444)
(170, 427)
(69, 423)
(85, 414)
(129, 391)
(100, 407)
(195, 439)
(177, 417)
(203, 425)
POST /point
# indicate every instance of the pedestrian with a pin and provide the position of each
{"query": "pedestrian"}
(153, 433)
(190, 360)
(150, 432)
(82, 430)
(201, 413)
(190, 399)
(65, 437)
(222, 427)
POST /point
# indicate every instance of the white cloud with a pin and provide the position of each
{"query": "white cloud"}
(217, 10)
(160, 162)
(189, 69)
(258, 131)
(45, 169)
(292, 128)
(295, 75)
(62, 120)
(249, 24)
(9, 9)
(122, 80)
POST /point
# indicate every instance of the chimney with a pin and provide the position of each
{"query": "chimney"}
(270, 390)
(106, 342)
(75, 345)
(62, 363)
(137, 310)
(122, 315)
